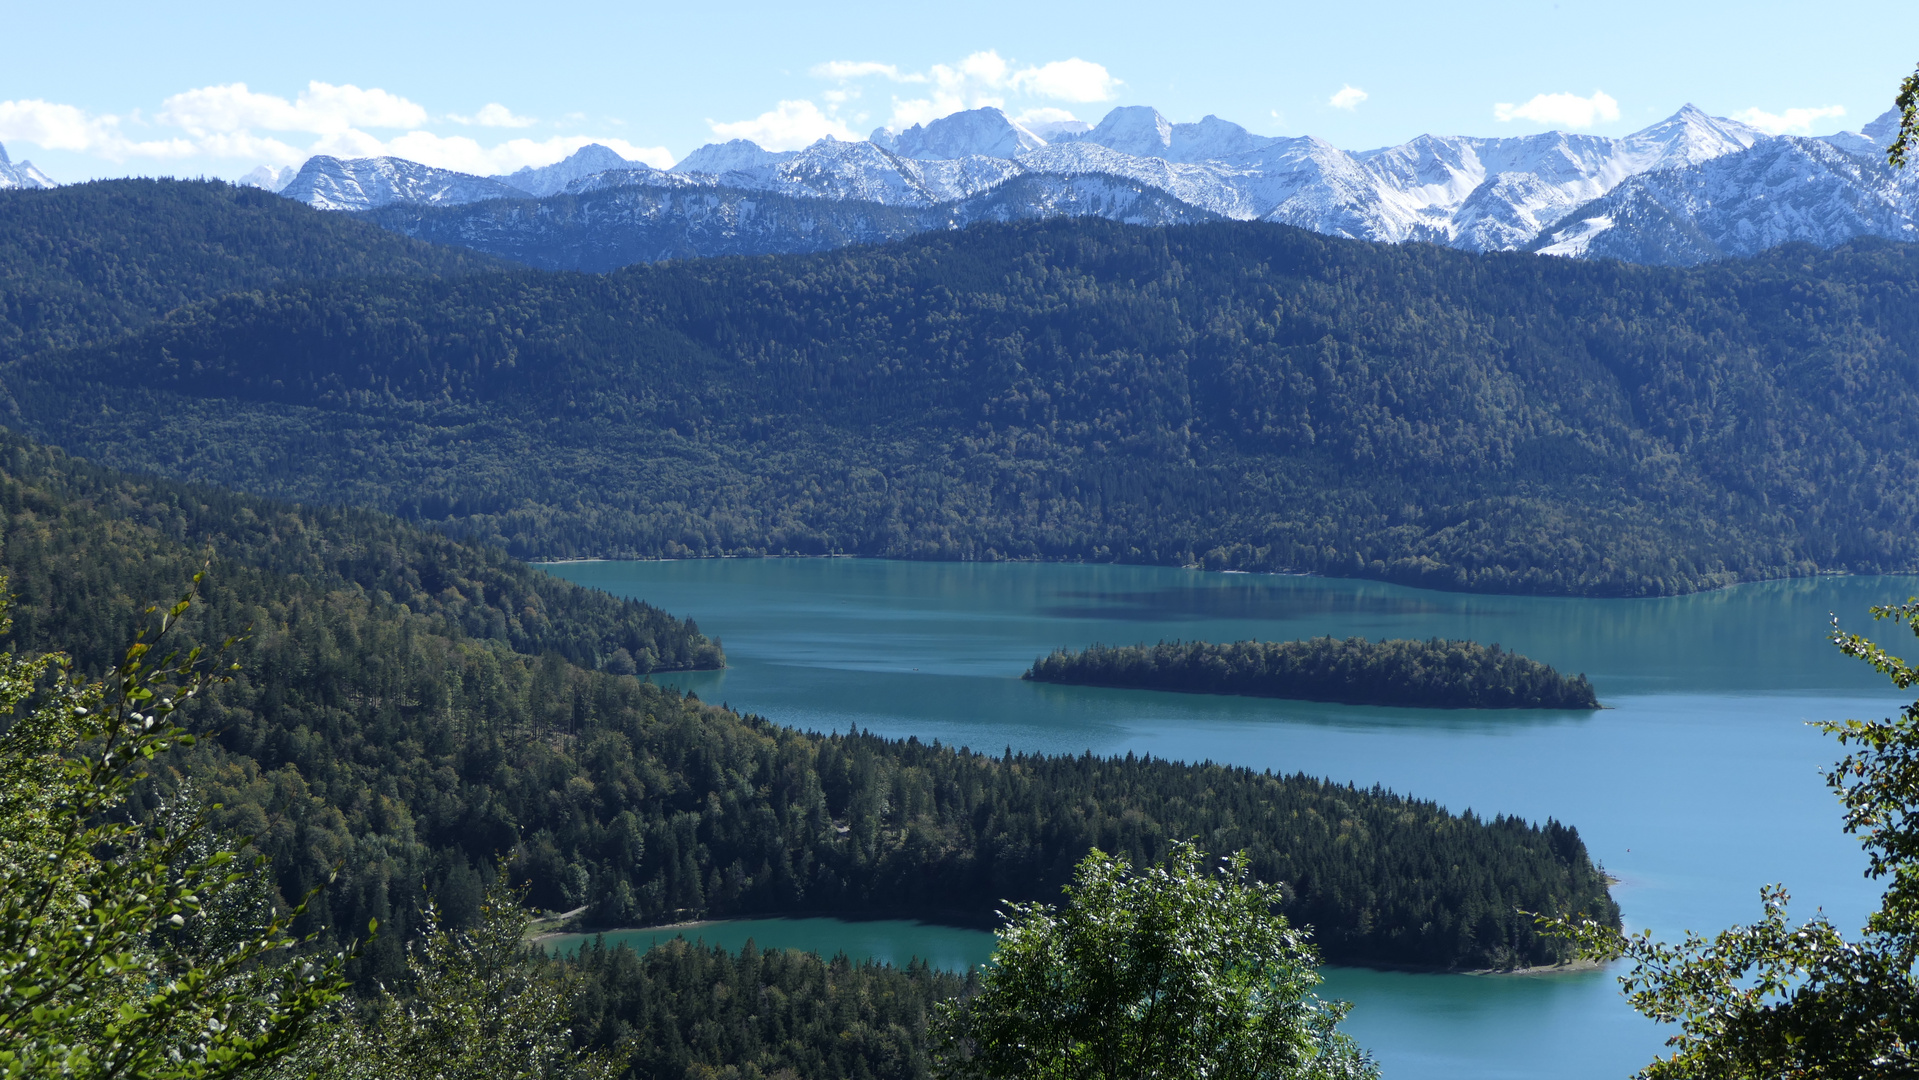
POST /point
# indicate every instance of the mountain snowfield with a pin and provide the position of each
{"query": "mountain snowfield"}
(1685, 190)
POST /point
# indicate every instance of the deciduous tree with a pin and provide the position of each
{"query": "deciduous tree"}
(1175, 971)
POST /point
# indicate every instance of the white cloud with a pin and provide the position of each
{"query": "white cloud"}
(1569, 110)
(1045, 114)
(494, 115)
(850, 69)
(1792, 121)
(224, 122)
(1347, 98)
(979, 80)
(1069, 80)
(321, 109)
(65, 127)
(795, 124)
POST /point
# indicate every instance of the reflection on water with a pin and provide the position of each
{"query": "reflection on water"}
(1700, 783)
(1235, 596)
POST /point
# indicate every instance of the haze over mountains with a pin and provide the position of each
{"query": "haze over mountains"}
(1685, 190)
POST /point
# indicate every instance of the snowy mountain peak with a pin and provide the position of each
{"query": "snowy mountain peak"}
(1883, 130)
(735, 155)
(330, 183)
(268, 178)
(588, 160)
(1142, 132)
(1055, 130)
(1689, 137)
(1138, 130)
(1871, 139)
(21, 174)
(987, 132)
(1213, 138)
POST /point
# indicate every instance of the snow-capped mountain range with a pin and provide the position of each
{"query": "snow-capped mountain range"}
(1687, 189)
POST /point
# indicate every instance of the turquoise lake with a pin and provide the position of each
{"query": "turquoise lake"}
(1699, 783)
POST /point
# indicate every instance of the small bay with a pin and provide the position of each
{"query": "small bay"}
(1699, 782)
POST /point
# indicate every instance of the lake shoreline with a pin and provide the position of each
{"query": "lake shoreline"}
(1201, 568)
(1569, 968)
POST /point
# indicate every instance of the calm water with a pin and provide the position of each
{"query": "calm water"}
(892, 941)
(1700, 783)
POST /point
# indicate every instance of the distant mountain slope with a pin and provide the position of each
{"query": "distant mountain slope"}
(620, 224)
(1233, 394)
(330, 183)
(86, 548)
(1782, 191)
(87, 261)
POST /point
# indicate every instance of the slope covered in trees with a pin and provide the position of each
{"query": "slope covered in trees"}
(685, 1010)
(86, 261)
(1437, 674)
(1236, 394)
(410, 745)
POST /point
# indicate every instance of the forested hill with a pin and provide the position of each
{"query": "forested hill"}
(84, 262)
(410, 733)
(1435, 674)
(86, 548)
(1235, 395)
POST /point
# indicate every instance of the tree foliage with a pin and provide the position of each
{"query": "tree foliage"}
(1775, 999)
(1169, 972)
(85, 262)
(106, 967)
(1907, 102)
(682, 1010)
(1434, 674)
(474, 1005)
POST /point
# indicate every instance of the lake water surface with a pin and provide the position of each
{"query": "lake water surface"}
(1700, 782)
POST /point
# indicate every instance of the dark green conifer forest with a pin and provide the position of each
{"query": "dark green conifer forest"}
(707, 1014)
(1431, 674)
(85, 262)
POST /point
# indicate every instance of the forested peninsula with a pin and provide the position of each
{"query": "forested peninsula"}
(409, 707)
(1436, 674)
(1232, 395)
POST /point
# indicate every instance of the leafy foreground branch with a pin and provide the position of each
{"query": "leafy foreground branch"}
(106, 968)
(1773, 999)
(1171, 972)
(477, 1007)
(139, 949)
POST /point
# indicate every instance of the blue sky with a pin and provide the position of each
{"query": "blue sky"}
(90, 90)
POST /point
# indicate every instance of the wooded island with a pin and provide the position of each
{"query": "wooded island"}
(1437, 673)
